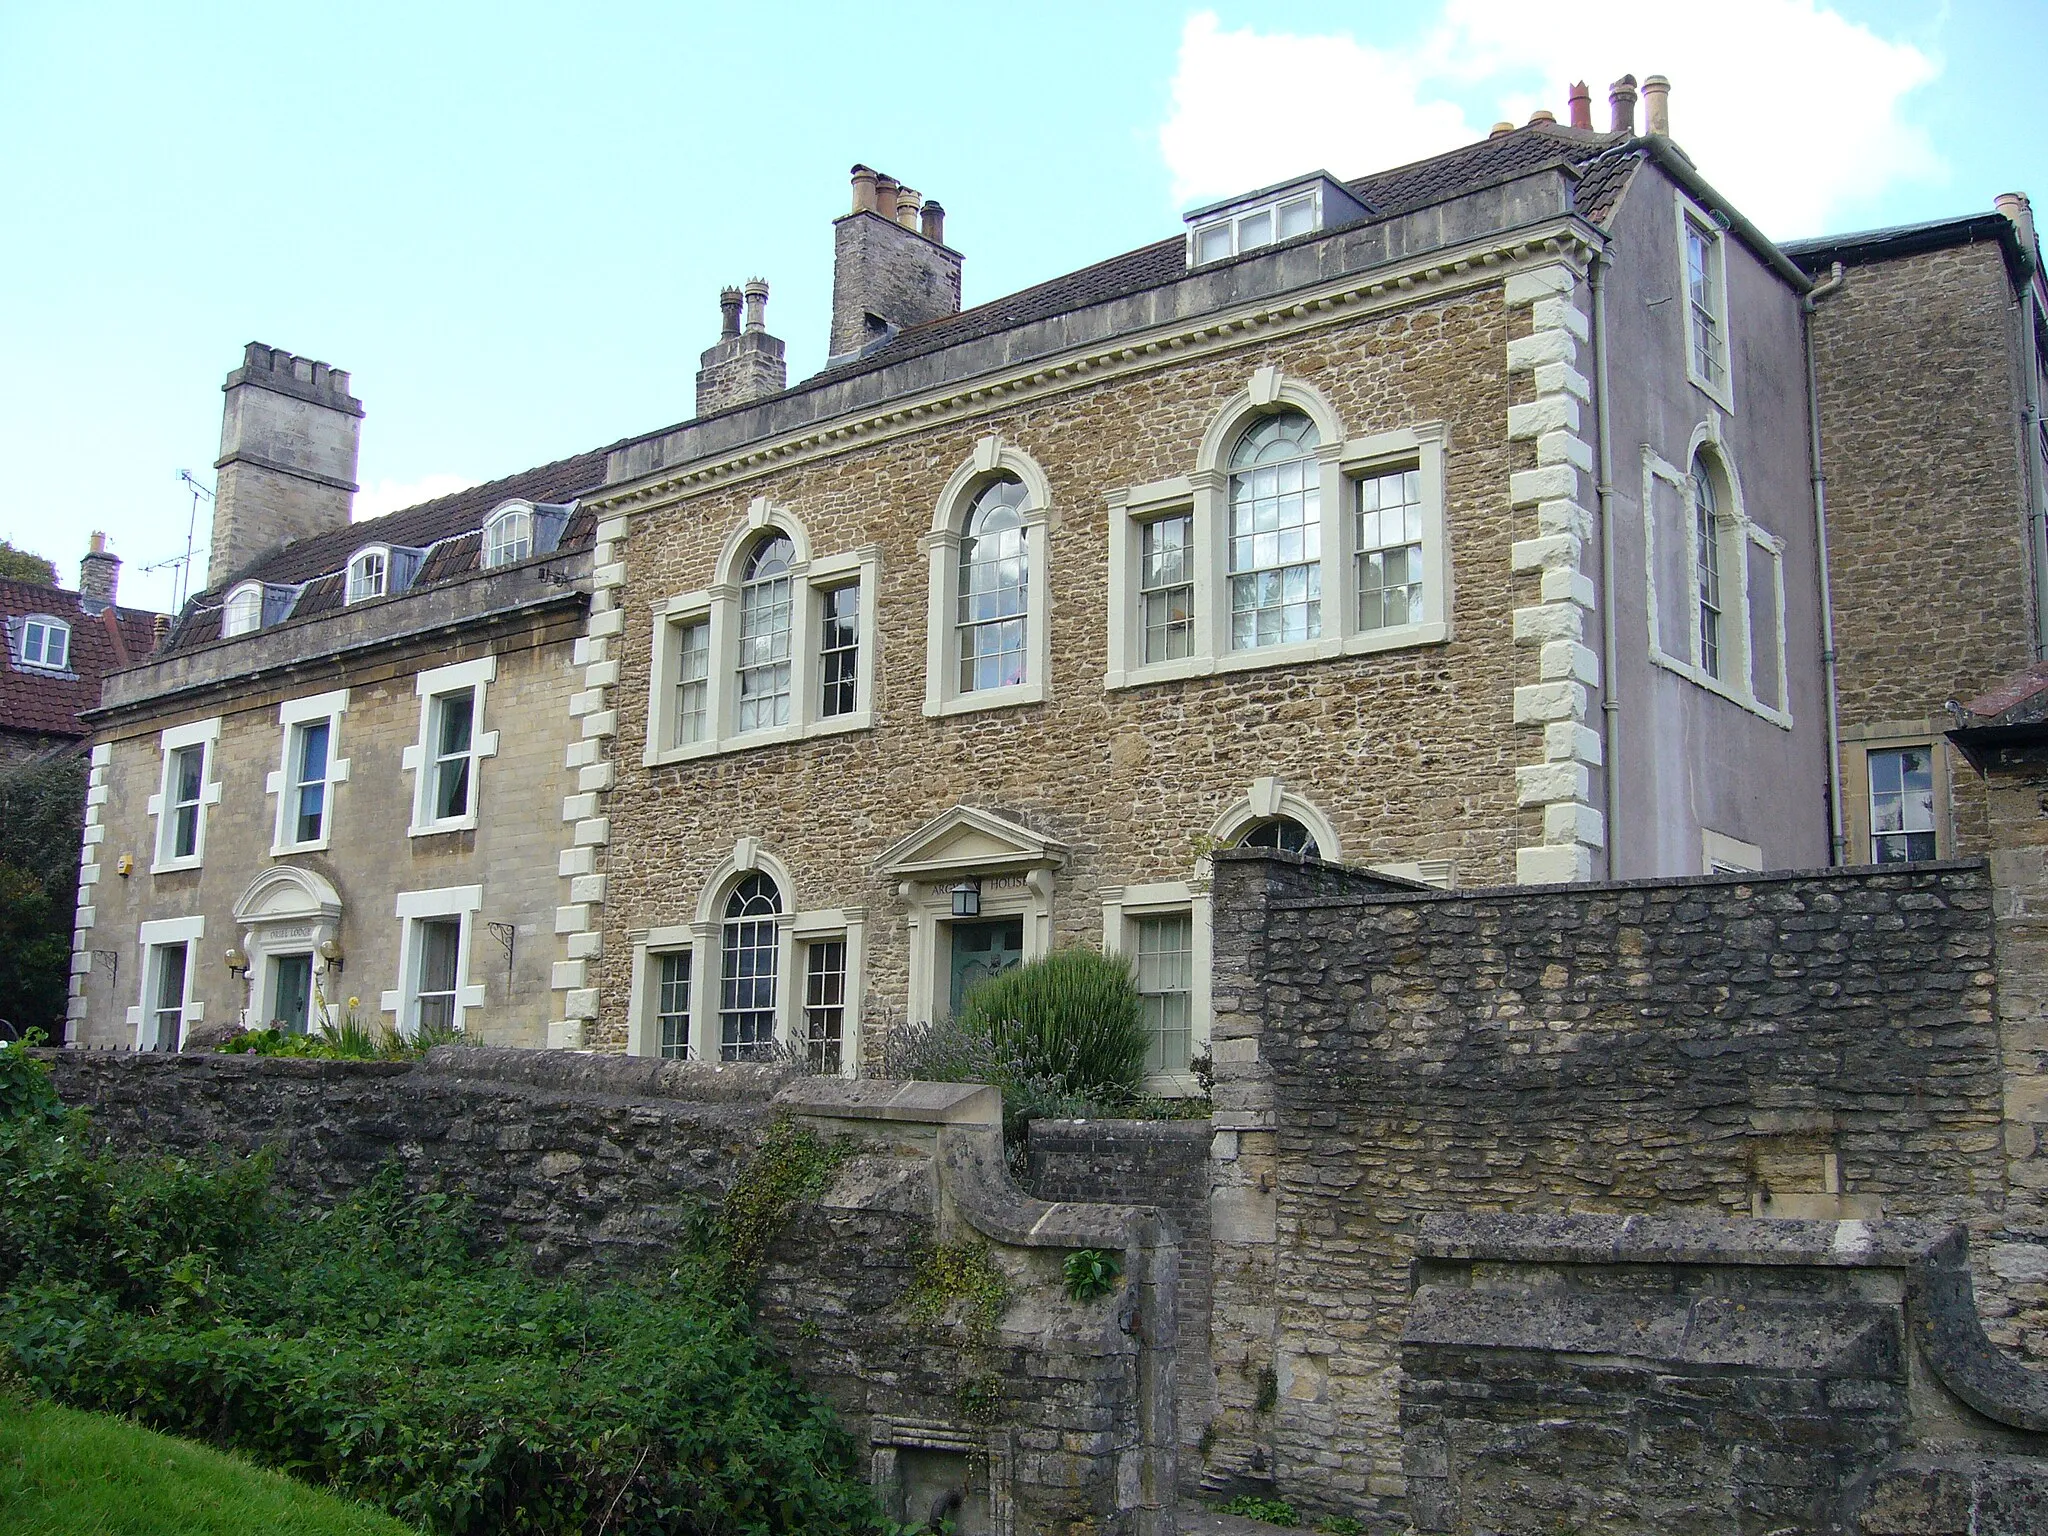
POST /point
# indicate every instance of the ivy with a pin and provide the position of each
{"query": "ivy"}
(960, 1273)
(791, 1166)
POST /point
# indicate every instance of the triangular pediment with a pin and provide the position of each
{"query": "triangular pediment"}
(288, 894)
(968, 840)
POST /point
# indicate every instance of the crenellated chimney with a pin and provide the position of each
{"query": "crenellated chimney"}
(744, 365)
(891, 268)
(1581, 100)
(99, 576)
(1621, 98)
(1657, 106)
(288, 439)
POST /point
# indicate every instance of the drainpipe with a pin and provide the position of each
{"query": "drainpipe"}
(1838, 837)
(2030, 465)
(1610, 706)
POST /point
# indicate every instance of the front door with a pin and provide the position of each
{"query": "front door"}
(981, 950)
(291, 992)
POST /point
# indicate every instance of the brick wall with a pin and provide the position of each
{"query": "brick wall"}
(1808, 1045)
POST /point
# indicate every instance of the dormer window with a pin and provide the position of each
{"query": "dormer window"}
(369, 575)
(45, 643)
(244, 610)
(508, 536)
(1258, 219)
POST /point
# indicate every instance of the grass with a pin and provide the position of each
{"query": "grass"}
(64, 1473)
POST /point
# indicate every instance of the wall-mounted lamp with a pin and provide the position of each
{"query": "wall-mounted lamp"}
(331, 953)
(238, 963)
(967, 899)
(126, 866)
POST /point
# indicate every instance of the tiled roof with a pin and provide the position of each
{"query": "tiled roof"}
(1816, 254)
(2021, 698)
(47, 703)
(447, 526)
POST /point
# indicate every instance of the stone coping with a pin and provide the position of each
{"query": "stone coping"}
(881, 1099)
(976, 1176)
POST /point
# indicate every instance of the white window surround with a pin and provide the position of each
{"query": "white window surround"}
(164, 933)
(504, 532)
(44, 643)
(203, 734)
(418, 758)
(461, 902)
(292, 714)
(701, 939)
(365, 580)
(1724, 855)
(1206, 494)
(992, 457)
(1122, 907)
(1266, 799)
(1691, 215)
(718, 606)
(242, 613)
(1741, 607)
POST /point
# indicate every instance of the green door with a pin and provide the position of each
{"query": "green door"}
(981, 950)
(292, 992)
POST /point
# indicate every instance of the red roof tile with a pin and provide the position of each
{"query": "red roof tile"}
(43, 703)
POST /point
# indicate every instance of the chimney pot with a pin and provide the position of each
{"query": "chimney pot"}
(931, 222)
(863, 189)
(1657, 106)
(1501, 130)
(885, 196)
(1542, 115)
(1581, 100)
(907, 203)
(728, 313)
(757, 305)
(2014, 206)
(1621, 97)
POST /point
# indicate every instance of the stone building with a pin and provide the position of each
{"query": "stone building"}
(328, 782)
(1454, 521)
(59, 644)
(1936, 494)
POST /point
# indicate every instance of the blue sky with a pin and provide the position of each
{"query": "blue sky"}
(511, 222)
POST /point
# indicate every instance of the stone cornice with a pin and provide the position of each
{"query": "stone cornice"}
(1474, 264)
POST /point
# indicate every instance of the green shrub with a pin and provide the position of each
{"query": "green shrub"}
(1251, 1507)
(1090, 1272)
(1071, 1015)
(41, 803)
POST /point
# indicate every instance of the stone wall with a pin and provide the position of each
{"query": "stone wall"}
(1809, 1046)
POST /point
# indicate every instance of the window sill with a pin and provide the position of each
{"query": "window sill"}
(1755, 706)
(836, 725)
(991, 698)
(318, 845)
(173, 866)
(436, 828)
(1365, 642)
(1721, 394)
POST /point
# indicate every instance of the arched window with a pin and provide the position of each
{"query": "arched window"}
(1707, 564)
(1283, 833)
(748, 952)
(244, 610)
(995, 589)
(508, 536)
(367, 575)
(763, 672)
(1276, 534)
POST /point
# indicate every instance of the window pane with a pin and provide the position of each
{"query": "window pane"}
(672, 1006)
(168, 1013)
(1389, 539)
(1212, 243)
(1275, 534)
(824, 1003)
(1283, 833)
(1902, 805)
(1707, 572)
(439, 941)
(995, 590)
(187, 770)
(456, 731)
(693, 674)
(509, 538)
(1166, 586)
(1255, 229)
(764, 636)
(311, 780)
(1165, 977)
(839, 652)
(1297, 217)
(748, 950)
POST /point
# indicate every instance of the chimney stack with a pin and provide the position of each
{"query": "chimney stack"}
(99, 576)
(2014, 206)
(1621, 96)
(891, 268)
(743, 365)
(288, 439)
(1657, 106)
(1581, 100)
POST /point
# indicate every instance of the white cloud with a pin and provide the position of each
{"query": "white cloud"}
(1790, 109)
(392, 495)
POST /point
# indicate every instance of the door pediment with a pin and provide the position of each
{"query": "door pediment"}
(287, 893)
(968, 840)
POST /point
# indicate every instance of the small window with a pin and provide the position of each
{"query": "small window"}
(167, 997)
(187, 780)
(45, 643)
(368, 574)
(1391, 588)
(308, 786)
(244, 610)
(1251, 230)
(454, 734)
(1166, 586)
(995, 589)
(825, 1003)
(1706, 303)
(1902, 805)
(1707, 566)
(1284, 834)
(765, 616)
(438, 942)
(693, 677)
(508, 537)
(839, 651)
(1166, 983)
(672, 1005)
(749, 949)
(1276, 550)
